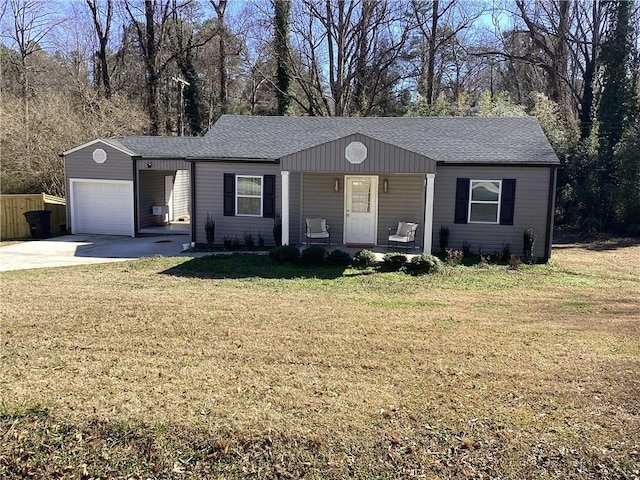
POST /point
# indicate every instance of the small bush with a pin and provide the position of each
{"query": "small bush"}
(235, 244)
(506, 250)
(528, 240)
(514, 262)
(444, 239)
(466, 249)
(393, 262)
(249, 242)
(227, 242)
(260, 240)
(313, 255)
(285, 254)
(424, 264)
(363, 259)
(339, 258)
(454, 257)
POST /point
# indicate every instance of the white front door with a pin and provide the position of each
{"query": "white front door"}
(168, 195)
(361, 210)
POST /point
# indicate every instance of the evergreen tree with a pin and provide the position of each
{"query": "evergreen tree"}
(282, 20)
(615, 113)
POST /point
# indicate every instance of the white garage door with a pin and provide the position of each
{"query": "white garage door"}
(102, 207)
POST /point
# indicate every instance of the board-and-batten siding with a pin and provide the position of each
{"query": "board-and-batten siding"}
(404, 201)
(381, 158)
(531, 205)
(209, 182)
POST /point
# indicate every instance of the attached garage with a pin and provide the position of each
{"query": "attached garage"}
(102, 206)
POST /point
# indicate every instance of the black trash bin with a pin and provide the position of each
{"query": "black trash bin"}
(39, 223)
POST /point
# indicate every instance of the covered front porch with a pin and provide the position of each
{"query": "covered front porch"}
(362, 187)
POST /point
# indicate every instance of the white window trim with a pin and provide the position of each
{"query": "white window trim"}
(486, 202)
(261, 196)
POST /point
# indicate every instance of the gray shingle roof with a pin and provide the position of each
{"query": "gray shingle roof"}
(447, 139)
(160, 147)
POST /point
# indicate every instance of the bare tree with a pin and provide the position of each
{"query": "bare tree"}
(102, 31)
(355, 42)
(220, 8)
(31, 23)
(439, 23)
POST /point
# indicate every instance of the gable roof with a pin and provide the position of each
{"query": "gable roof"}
(456, 140)
(445, 139)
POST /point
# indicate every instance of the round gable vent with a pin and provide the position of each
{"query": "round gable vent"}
(99, 155)
(356, 152)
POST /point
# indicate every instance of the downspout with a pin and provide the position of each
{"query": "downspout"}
(192, 182)
(550, 212)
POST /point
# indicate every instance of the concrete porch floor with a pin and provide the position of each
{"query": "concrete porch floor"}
(173, 228)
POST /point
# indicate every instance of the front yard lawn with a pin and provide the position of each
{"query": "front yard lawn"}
(233, 367)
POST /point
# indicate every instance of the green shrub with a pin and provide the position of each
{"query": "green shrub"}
(363, 259)
(285, 254)
(454, 257)
(444, 239)
(313, 255)
(393, 262)
(249, 242)
(260, 240)
(339, 258)
(235, 244)
(466, 249)
(227, 242)
(514, 262)
(528, 240)
(424, 264)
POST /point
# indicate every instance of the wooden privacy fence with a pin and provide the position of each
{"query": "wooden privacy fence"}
(13, 223)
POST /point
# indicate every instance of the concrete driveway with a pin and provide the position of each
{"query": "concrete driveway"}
(86, 249)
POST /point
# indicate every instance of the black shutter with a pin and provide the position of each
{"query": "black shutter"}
(462, 200)
(229, 194)
(269, 196)
(507, 201)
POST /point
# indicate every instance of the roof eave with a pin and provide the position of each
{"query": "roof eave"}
(98, 140)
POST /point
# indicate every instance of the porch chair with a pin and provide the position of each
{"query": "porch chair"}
(404, 234)
(318, 230)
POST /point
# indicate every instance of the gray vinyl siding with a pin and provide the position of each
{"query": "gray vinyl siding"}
(320, 200)
(531, 205)
(404, 201)
(80, 164)
(381, 157)
(145, 164)
(181, 194)
(209, 181)
(151, 192)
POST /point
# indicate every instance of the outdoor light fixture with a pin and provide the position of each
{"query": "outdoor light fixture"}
(149, 164)
(385, 185)
(336, 185)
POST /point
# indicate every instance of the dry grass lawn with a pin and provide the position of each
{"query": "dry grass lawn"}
(233, 368)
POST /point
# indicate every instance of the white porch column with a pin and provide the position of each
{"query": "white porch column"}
(428, 214)
(285, 207)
